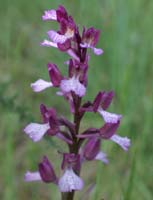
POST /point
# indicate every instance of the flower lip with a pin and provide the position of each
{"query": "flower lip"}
(32, 176)
(123, 142)
(48, 43)
(73, 84)
(56, 37)
(49, 15)
(102, 157)
(109, 117)
(36, 131)
(40, 85)
(70, 181)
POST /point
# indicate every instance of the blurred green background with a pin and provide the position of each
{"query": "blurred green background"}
(126, 67)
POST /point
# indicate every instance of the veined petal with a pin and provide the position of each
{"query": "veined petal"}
(73, 84)
(48, 43)
(36, 131)
(70, 181)
(124, 142)
(109, 117)
(49, 15)
(40, 85)
(32, 176)
(56, 37)
(84, 45)
(97, 51)
(102, 157)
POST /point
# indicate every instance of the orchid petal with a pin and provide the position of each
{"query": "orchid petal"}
(84, 45)
(56, 37)
(102, 157)
(40, 85)
(49, 15)
(32, 176)
(97, 51)
(109, 117)
(36, 131)
(124, 142)
(73, 84)
(70, 181)
(48, 43)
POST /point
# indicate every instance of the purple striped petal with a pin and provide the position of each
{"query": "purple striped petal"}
(32, 176)
(109, 117)
(70, 181)
(36, 131)
(48, 43)
(84, 45)
(123, 142)
(73, 84)
(97, 51)
(40, 85)
(102, 157)
(56, 37)
(49, 15)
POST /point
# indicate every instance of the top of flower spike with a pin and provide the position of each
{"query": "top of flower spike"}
(69, 32)
(90, 36)
(55, 14)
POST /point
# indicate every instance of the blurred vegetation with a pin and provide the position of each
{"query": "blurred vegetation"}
(126, 67)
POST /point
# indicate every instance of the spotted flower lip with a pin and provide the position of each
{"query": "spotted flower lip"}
(32, 176)
(102, 157)
(48, 43)
(36, 131)
(109, 117)
(73, 84)
(56, 37)
(56, 15)
(70, 181)
(123, 142)
(49, 15)
(40, 85)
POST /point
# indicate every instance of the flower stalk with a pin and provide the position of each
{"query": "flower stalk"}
(82, 146)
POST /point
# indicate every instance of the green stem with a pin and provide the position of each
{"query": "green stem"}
(68, 195)
(74, 147)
